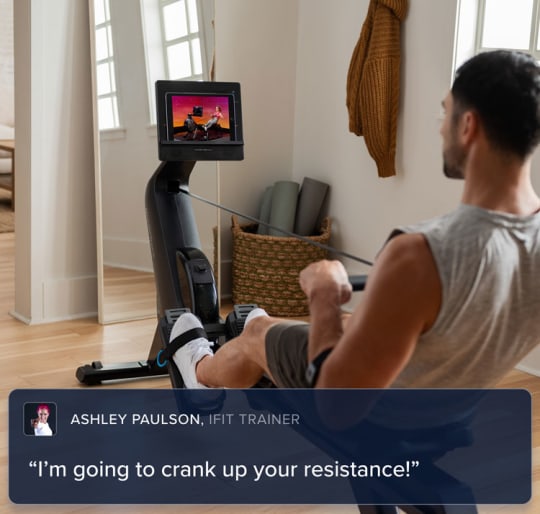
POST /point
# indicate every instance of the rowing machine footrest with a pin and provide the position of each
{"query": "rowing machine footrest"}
(234, 324)
(171, 315)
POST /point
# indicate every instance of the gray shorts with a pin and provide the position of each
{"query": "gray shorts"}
(286, 353)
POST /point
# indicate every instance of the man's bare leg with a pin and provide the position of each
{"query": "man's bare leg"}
(241, 362)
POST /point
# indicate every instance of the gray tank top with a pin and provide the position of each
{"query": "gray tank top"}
(489, 266)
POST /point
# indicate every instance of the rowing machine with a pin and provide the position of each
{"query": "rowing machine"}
(184, 277)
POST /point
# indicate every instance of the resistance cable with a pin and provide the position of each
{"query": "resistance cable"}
(283, 231)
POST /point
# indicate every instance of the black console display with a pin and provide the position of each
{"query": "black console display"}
(199, 121)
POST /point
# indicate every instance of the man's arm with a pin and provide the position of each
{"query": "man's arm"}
(401, 301)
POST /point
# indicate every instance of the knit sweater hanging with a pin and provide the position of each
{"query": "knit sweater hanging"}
(373, 82)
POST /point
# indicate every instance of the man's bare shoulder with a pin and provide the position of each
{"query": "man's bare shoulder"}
(405, 272)
(408, 253)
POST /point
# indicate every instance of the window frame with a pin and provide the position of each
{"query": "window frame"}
(533, 35)
(189, 38)
(109, 61)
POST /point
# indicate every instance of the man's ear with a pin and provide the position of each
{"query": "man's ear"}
(468, 127)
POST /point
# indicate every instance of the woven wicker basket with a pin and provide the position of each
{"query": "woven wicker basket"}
(265, 269)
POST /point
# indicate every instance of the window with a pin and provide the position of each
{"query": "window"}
(178, 39)
(181, 39)
(483, 25)
(508, 24)
(105, 69)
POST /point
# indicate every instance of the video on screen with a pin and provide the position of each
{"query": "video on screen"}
(200, 118)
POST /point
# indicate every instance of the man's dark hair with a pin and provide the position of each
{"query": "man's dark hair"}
(503, 87)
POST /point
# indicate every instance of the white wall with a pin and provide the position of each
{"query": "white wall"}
(256, 43)
(55, 271)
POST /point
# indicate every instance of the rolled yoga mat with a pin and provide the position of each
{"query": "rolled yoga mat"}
(264, 211)
(283, 210)
(310, 203)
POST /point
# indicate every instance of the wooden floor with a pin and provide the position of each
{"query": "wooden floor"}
(128, 294)
(46, 356)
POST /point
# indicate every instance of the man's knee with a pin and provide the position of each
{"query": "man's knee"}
(258, 327)
(253, 339)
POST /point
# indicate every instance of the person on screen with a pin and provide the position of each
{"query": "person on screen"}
(217, 116)
(450, 302)
(40, 424)
(191, 127)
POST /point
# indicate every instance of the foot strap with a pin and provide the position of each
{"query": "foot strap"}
(164, 355)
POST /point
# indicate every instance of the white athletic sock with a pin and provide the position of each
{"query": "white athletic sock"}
(255, 313)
